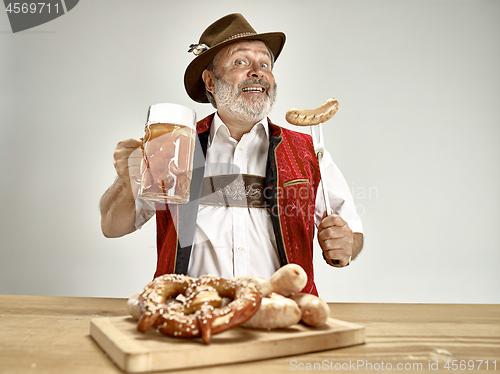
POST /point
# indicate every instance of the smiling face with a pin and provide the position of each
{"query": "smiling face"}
(242, 82)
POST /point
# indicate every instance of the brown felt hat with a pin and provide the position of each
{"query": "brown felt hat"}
(229, 29)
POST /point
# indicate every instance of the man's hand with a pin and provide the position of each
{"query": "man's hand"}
(337, 241)
(118, 202)
(128, 156)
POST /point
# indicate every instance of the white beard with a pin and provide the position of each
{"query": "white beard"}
(250, 110)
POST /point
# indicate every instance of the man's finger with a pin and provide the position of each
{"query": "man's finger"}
(130, 143)
(332, 232)
(334, 254)
(338, 221)
(330, 221)
(336, 257)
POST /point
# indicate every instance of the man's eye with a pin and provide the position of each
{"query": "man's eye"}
(240, 62)
(264, 65)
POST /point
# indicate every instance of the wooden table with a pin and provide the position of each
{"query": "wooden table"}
(45, 334)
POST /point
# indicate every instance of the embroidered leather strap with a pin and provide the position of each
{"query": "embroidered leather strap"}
(234, 190)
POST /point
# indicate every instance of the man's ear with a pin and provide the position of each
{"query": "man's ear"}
(209, 79)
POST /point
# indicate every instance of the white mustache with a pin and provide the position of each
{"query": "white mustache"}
(250, 81)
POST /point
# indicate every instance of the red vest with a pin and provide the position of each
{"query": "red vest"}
(292, 178)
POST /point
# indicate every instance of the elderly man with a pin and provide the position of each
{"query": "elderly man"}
(234, 71)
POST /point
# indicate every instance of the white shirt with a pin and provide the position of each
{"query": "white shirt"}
(235, 242)
(232, 241)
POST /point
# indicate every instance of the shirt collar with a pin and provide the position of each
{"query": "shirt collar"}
(218, 125)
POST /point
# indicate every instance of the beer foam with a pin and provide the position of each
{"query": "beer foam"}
(172, 113)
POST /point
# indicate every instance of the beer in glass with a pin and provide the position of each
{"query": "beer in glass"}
(167, 164)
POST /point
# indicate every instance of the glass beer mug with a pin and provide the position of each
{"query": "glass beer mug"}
(168, 149)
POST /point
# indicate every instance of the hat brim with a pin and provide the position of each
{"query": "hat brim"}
(193, 81)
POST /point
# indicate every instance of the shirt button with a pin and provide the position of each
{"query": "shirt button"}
(240, 149)
(241, 249)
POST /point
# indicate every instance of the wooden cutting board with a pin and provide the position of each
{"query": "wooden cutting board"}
(134, 352)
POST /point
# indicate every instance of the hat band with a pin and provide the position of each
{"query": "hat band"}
(239, 36)
(198, 49)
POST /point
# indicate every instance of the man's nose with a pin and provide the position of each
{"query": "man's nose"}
(256, 70)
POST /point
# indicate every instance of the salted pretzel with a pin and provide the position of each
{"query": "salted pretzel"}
(179, 306)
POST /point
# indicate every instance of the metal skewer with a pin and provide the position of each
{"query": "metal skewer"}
(315, 120)
(319, 149)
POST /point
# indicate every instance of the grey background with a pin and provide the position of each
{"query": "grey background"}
(416, 137)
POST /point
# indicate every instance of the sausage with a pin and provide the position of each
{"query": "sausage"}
(263, 285)
(133, 306)
(310, 117)
(288, 279)
(315, 311)
(275, 312)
